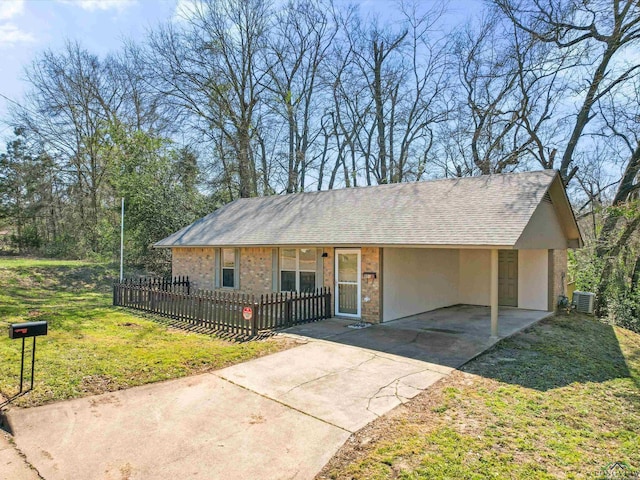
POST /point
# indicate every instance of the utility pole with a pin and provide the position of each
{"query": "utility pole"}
(122, 240)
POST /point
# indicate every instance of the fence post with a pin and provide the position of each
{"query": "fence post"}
(288, 320)
(327, 304)
(254, 318)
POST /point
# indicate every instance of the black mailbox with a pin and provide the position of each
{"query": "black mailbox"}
(28, 329)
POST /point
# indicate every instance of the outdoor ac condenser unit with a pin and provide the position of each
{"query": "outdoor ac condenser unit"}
(584, 301)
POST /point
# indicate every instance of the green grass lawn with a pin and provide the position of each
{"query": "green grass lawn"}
(93, 347)
(560, 400)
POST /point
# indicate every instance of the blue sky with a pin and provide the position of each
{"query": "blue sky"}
(28, 27)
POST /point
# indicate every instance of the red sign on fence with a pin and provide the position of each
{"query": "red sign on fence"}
(247, 313)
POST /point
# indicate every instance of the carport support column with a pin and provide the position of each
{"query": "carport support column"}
(494, 293)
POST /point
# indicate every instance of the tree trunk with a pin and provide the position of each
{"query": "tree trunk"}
(584, 115)
(378, 57)
(635, 276)
(244, 168)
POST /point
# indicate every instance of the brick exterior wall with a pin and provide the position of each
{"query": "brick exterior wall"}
(255, 270)
(328, 266)
(558, 269)
(371, 262)
(199, 264)
(256, 273)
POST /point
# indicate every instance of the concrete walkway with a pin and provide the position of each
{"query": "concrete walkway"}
(279, 416)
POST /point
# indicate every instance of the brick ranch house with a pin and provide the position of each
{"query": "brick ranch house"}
(391, 251)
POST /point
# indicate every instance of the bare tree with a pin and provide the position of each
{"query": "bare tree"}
(390, 83)
(601, 31)
(142, 106)
(213, 72)
(72, 100)
(344, 118)
(423, 101)
(512, 85)
(298, 45)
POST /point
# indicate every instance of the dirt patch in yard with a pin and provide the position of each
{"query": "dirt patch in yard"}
(97, 384)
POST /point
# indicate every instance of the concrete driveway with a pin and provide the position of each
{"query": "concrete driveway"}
(280, 416)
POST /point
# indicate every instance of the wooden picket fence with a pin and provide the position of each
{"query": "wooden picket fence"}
(235, 313)
(172, 284)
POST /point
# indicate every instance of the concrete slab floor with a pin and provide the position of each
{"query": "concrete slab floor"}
(449, 337)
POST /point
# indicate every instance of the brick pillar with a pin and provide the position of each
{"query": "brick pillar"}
(371, 284)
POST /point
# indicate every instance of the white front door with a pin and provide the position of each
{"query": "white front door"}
(347, 289)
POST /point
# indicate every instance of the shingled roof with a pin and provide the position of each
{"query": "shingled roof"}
(490, 210)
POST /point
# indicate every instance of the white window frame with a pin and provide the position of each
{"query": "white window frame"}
(223, 268)
(297, 270)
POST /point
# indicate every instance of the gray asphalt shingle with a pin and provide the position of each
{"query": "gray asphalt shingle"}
(486, 210)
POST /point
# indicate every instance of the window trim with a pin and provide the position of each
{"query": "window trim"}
(222, 268)
(297, 269)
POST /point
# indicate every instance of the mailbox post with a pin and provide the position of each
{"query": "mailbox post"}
(25, 330)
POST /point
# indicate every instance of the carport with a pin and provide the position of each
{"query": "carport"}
(501, 246)
(418, 280)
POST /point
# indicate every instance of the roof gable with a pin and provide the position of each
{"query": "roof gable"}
(489, 210)
(543, 230)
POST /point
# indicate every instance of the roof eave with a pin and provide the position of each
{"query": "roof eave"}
(350, 245)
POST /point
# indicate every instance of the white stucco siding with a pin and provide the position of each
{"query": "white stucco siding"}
(533, 279)
(419, 280)
(475, 288)
(543, 230)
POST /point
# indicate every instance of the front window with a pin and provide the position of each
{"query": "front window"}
(298, 269)
(228, 267)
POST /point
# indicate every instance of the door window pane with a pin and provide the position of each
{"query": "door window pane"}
(348, 267)
(287, 281)
(288, 259)
(307, 281)
(348, 298)
(308, 259)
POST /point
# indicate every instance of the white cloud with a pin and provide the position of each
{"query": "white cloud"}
(10, 8)
(11, 34)
(93, 5)
(186, 9)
